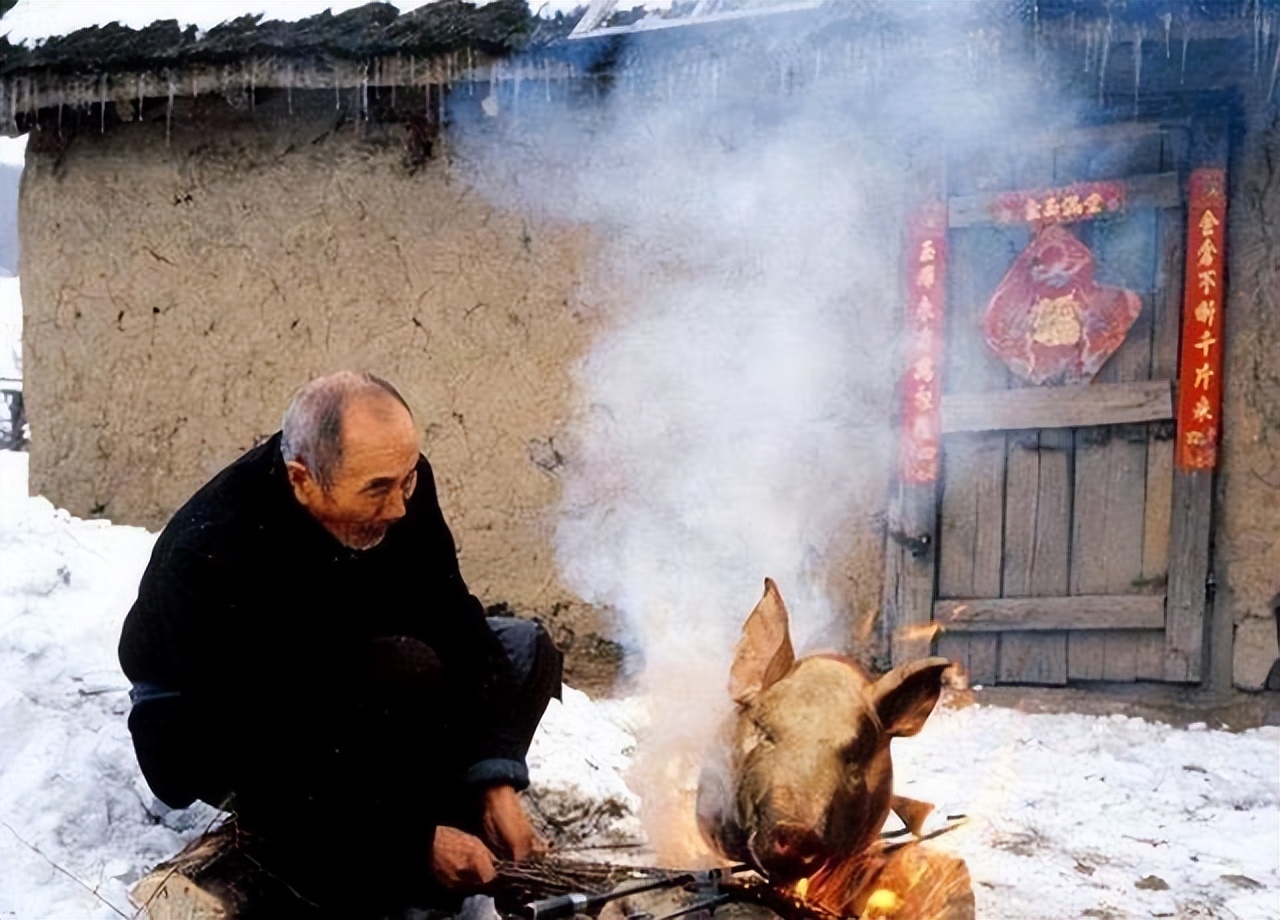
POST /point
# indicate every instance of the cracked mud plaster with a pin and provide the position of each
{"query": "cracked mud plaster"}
(1247, 529)
(176, 294)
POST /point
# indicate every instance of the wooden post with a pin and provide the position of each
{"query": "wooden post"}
(1199, 423)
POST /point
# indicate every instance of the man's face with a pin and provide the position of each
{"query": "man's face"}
(375, 479)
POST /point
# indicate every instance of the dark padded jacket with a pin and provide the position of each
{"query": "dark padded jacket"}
(257, 615)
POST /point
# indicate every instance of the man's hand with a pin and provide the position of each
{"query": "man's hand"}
(460, 861)
(507, 827)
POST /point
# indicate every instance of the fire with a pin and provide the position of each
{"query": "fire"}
(802, 888)
(882, 903)
(956, 677)
(923, 631)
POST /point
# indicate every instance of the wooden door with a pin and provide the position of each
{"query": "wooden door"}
(1059, 543)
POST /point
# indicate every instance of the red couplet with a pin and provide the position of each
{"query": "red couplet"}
(925, 259)
(1200, 361)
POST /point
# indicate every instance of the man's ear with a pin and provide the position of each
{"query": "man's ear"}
(299, 478)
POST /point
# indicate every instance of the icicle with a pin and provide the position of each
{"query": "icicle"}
(1257, 38)
(1102, 61)
(195, 86)
(139, 97)
(1275, 73)
(1138, 35)
(288, 87)
(1167, 19)
(1186, 40)
(396, 79)
(102, 107)
(364, 92)
(546, 79)
(168, 115)
(1088, 48)
(253, 85)
(471, 69)
(337, 92)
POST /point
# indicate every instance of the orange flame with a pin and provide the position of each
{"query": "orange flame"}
(956, 677)
(923, 631)
(802, 888)
(882, 903)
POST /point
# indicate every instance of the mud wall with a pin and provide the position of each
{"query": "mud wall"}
(1247, 527)
(177, 288)
(176, 291)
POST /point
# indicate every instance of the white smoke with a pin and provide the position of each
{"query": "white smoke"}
(735, 413)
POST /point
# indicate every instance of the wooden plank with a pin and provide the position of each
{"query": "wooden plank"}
(1109, 516)
(1160, 443)
(976, 653)
(1033, 658)
(972, 502)
(1037, 544)
(1036, 507)
(1160, 190)
(1191, 515)
(1098, 611)
(969, 543)
(909, 573)
(1059, 407)
(1188, 573)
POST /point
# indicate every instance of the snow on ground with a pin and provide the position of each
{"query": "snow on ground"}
(1072, 815)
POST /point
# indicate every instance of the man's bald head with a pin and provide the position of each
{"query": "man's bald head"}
(312, 428)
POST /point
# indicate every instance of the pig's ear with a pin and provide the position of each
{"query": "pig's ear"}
(764, 654)
(906, 695)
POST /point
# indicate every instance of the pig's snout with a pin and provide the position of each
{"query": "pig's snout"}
(788, 851)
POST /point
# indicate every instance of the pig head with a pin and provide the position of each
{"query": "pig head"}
(801, 775)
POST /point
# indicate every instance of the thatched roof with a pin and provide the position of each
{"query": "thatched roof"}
(370, 31)
(370, 46)
(452, 40)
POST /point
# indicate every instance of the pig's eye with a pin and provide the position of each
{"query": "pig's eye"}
(762, 733)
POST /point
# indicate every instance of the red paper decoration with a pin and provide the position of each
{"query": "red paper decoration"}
(926, 262)
(1200, 367)
(1049, 321)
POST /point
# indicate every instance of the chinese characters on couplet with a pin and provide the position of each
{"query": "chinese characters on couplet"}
(921, 431)
(1200, 364)
(1081, 201)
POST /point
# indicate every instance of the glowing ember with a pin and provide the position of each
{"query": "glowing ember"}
(882, 903)
(802, 888)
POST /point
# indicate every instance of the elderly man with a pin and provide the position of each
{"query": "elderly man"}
(304, 650)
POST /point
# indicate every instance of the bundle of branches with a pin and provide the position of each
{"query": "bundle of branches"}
(519, 883)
